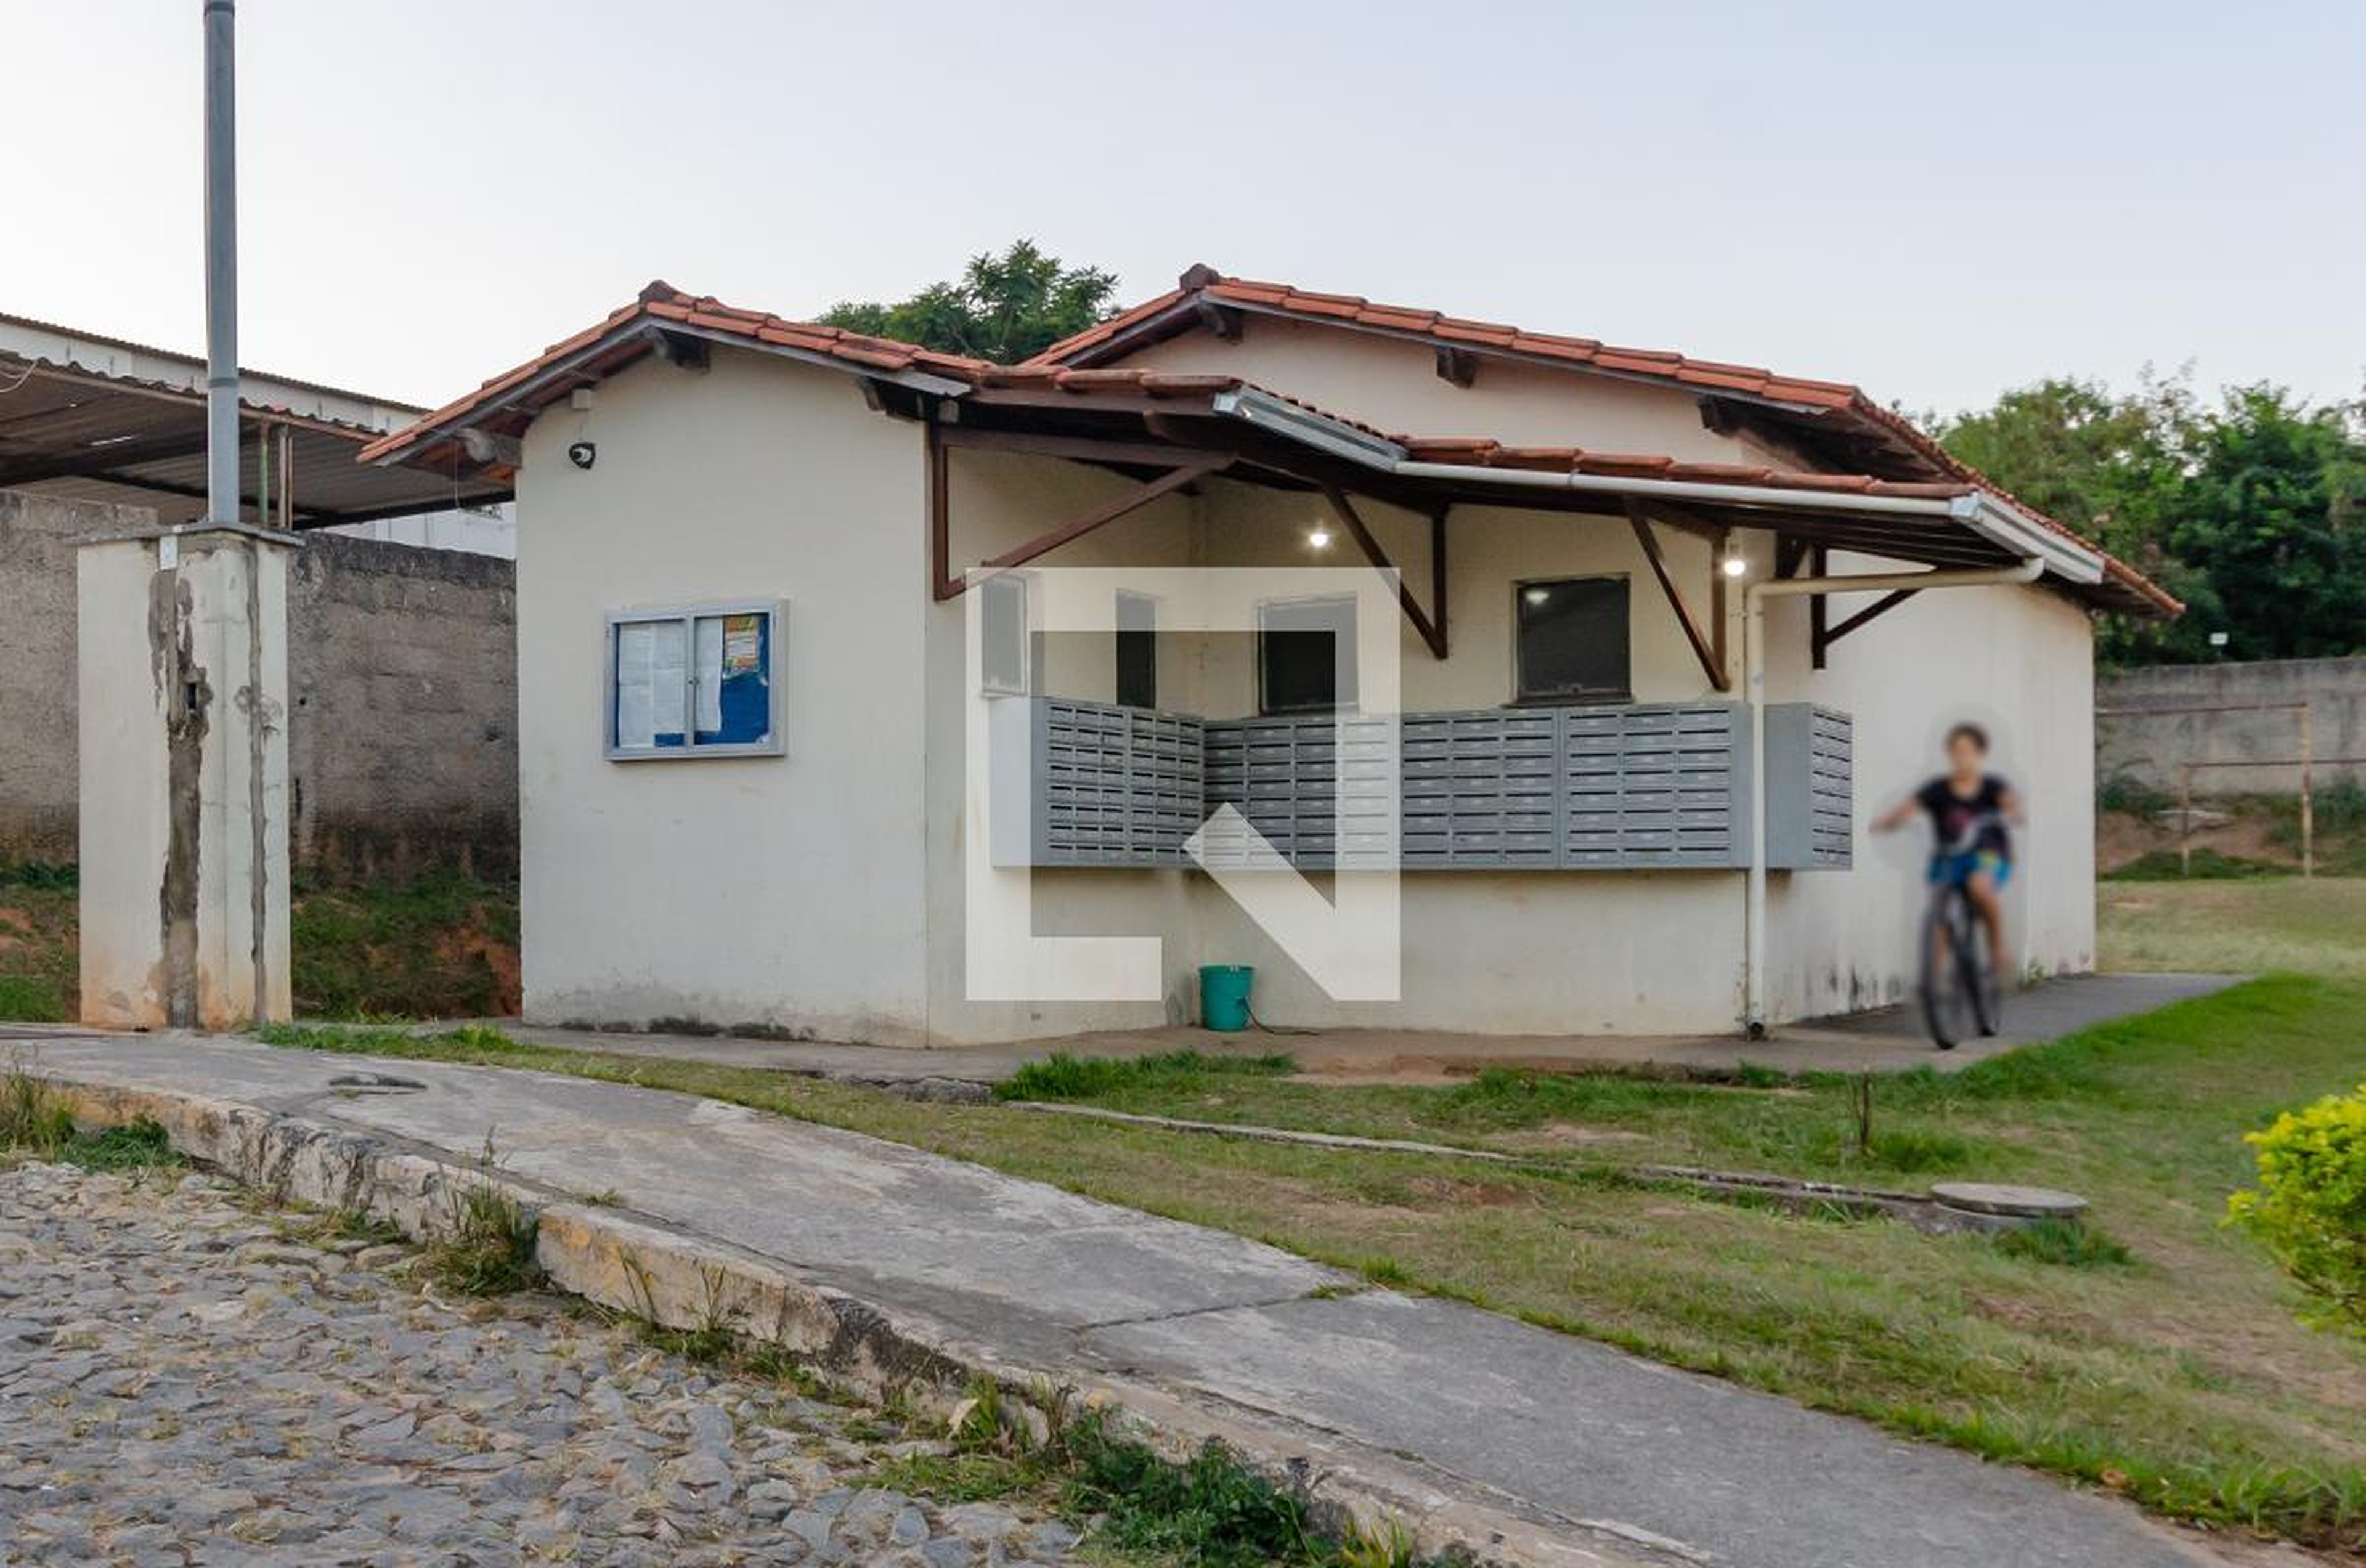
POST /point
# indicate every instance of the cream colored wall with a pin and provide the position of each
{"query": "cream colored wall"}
(824, 891)
(1000, 501)
(788, 892)
(1494, 953)
(1490, 551)
(2020, 662)
(1393, 384)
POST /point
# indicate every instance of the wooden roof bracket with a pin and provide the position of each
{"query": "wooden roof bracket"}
(1825, 637)
(1710, 652)
(1432, 630)
(945, 585)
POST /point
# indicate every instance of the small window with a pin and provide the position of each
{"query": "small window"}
(1137, 650)
(1004, 663)
(1306, 655)
(1573, 640)
(695, 683)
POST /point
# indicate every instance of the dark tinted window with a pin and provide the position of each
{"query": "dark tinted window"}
(1573, 639)
(1137, 650)
(1306, 656)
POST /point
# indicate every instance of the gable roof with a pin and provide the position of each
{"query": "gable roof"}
(665, 321)
(509, 401)
(1801, 405)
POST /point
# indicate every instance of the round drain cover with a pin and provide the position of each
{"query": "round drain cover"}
(2020, 1203)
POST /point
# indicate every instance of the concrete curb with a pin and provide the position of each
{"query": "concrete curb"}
(680, 1279)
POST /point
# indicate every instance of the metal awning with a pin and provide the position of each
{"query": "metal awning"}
(98, 419)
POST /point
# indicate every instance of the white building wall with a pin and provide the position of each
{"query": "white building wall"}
(2018, 661)
(784, 892)
(824, 892)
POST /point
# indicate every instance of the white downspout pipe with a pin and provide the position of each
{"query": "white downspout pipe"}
(1753, 686)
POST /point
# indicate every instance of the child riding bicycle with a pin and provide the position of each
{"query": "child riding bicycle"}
(1971, 848)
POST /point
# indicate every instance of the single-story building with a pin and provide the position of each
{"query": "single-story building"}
(1638, 734)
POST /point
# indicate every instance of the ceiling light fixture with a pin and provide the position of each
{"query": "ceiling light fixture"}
(1318, 537)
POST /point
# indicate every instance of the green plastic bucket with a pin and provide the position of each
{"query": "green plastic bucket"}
(1224, 997)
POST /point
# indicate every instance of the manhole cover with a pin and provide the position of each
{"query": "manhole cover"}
(374, 1083)
(2018, 1202)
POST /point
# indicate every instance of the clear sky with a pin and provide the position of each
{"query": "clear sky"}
(1937, 201)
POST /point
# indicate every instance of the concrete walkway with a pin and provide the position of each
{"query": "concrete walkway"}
(1885, 1040)
(1534, 1447)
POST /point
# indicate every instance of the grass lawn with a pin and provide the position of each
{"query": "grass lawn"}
(2174, 1372)
(444, 946)
(2250, 925)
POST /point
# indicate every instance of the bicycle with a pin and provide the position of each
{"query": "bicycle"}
(1959, 987)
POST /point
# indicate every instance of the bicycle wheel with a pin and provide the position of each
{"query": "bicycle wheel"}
(1948, 1010)
(1980, 980)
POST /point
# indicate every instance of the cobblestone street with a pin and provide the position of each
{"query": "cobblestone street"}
(182, 1382)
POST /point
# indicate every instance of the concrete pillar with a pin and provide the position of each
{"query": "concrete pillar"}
(183, 679)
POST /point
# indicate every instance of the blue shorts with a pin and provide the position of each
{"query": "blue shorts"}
(1955, 871)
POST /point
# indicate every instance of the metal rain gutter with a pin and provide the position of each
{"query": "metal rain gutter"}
(2009, 528)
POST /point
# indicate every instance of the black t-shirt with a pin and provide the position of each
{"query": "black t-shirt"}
(1952, 817)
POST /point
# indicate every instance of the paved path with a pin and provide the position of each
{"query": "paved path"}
(1596, 1445)
(183, 1381)
(1888, 1038)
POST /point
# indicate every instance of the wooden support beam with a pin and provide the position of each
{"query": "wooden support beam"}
(1702, 650)
(1717, 607)
(1432, 632)
(1081, 448)
(1438, 574)
(1679, 518)
(1456, 366)
(1140, 495)
(1880, 606)
(1817, 562)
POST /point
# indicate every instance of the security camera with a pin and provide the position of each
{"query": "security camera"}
(582, 454)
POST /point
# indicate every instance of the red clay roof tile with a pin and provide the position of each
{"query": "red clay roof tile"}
(660, 301)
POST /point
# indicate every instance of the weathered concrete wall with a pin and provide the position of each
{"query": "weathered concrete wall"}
(2136, 739)
(403, 734)
(403, 678)
(37, 668)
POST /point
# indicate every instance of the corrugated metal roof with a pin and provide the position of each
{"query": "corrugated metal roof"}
(101, 419)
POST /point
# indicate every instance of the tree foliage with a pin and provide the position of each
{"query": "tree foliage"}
(2249, 510)
(1004, 307)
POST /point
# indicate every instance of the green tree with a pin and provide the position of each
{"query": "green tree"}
(2110, 467)
(1004, 307)
(2272, 514)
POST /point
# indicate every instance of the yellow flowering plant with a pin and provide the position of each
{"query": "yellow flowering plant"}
(2310, 1205)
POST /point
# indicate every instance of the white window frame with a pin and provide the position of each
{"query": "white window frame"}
(775, 742)
(1006, 584)
(1355, 698)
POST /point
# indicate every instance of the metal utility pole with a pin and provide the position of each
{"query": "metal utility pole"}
(221, 265)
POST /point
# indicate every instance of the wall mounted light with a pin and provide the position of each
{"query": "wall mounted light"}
(1733, 565)
(1318, 537)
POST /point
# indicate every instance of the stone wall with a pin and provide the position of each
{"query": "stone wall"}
(402, 732)
(2138, 739)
